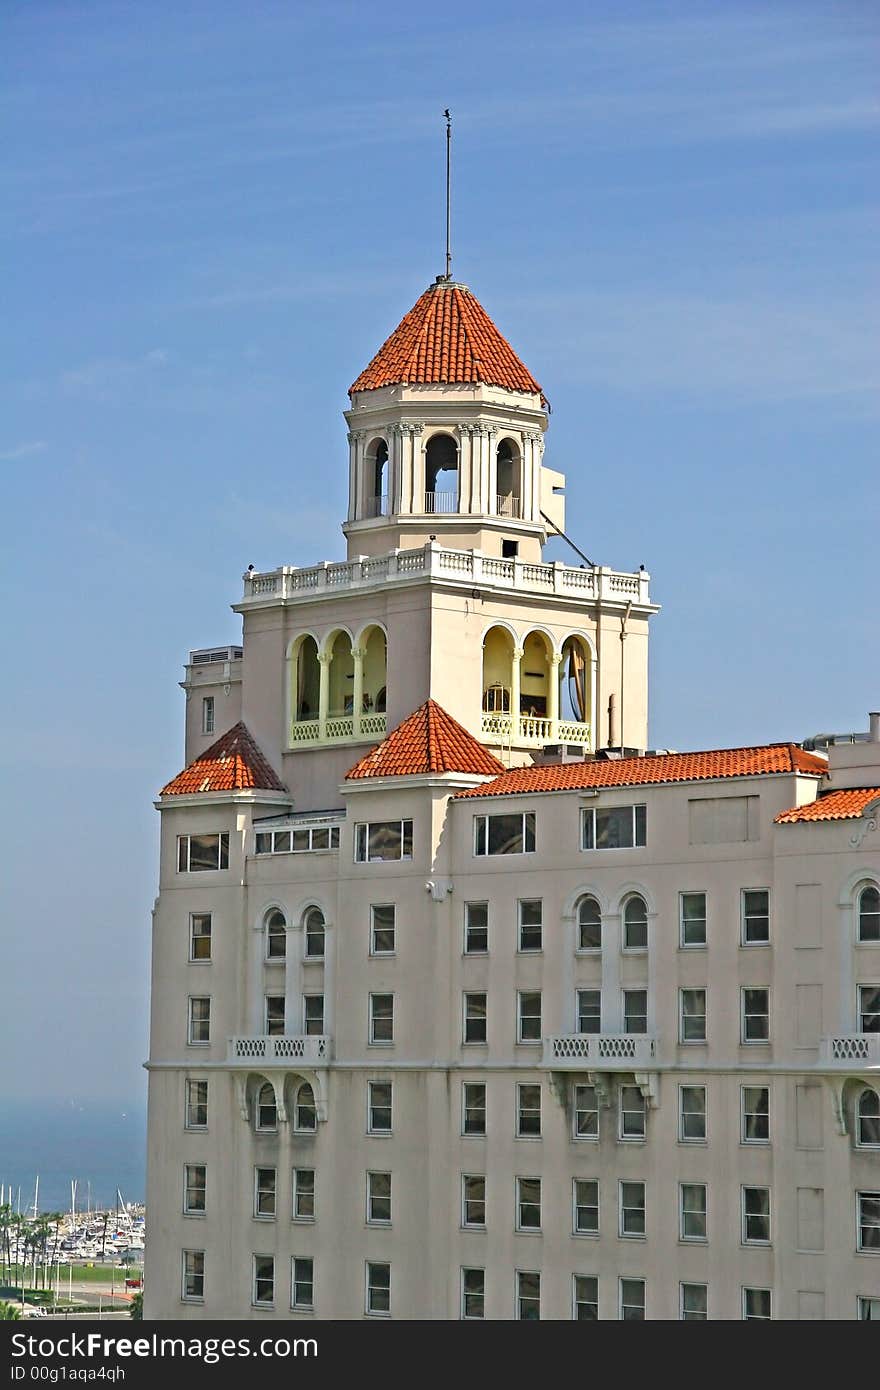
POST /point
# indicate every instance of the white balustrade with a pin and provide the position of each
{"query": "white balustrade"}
(313, 1050)
(507, 506)
(633, 1051)
(851, 1050)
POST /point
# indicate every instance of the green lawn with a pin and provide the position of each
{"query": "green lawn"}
(78, 1274)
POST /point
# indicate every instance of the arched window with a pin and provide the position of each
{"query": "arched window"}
(313, 928)
(589, 925)
(868, 1119)
(869, 914)
(375, 669)
(266, 1110)
(305, 695)
(377, 479)
(441, 474)
(497, 671)
(341, 678)
(508, 492)
(305, 1115)
(575, 682)
(635, 924)
(276, 935)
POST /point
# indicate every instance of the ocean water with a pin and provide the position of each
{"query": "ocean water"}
(100, 1144)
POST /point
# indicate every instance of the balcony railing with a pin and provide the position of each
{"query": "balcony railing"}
(855, 1051)
(533, 731)
(312, 1050)
(441, 502)
(599, 1051)
(338, 728)
(507, 506)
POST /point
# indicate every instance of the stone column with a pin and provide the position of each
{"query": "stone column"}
(293, 952)
(514, 693)
(358, 655)
(329, 977)
(255, 982)
(352, 476)
(612, 1000)
(553, 696)
(324, 659)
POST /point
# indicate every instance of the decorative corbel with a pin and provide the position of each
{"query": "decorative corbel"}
(648, 1083)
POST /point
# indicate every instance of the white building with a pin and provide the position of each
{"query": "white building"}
(455, 1012)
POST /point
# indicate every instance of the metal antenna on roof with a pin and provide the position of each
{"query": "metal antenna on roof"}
(448, 172)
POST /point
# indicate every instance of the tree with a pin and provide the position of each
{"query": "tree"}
(8, 1312)
(136, 1308)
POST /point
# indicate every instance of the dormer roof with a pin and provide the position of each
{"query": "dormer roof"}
(233, 763)
(428, 741)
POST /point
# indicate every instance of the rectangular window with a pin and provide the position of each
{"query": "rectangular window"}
(614, 827)
(868, 1218)
(207, 714)
(528, 1204)
(528, 1015)
(383, 840)
(473, 1107)
(473, 1199)
(379, 1289)
(506, 834)
(474, 1018)
(302, 1283)
(632, 1113)
(757, 1305)
(692, 920)
(632, 1209)
(528, 1295)
(264, 1192)
(589, 1011)
(302, 840)
(381, 1018)
(379, 1199)
(199, 936)
(694, 1302)
(379, 1095)
(869, 1309)
(585, 1297)
(476, 929)
(755, 1114)
(193, 1281)
(198, 852)
(264, 1281)
(692, 1211)
(199, 1025)
(692, 1015)
(756, 1216)
(196, 1110)
(755, 1015)
(194, 1186)
(586, 1207)
(632, 1300)
(528, 1111)
(869, 1008)
(382, 922)
(692, 1114)
(755, 916)
(313, 1015)
(473, 1293)
(303, 1205)
(274, 1015)
(635, 1011)
(530, 928)
(586, 1113)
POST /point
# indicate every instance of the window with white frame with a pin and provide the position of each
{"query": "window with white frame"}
(692, 919)
(585, 1297)
(585, 1113)
(692, 1015)
(313, 1015)
(276, 935)
(266, 1109)
(635, 1011)
(264, 1281)
(379, 1199)
(528, 1111)
(305, 1112)
(195, 1183)
(632, 1300)
(693, 1302)
(692, 1114)
(264, 1193)
(692, 1211)
(868, 1308)
(314, 934)
(473, 1293)
(474, 1020)
(378, 1289)
(302, 840)
(756, 1216)
(380, 841)
(473, 1107)
(274, 1015)
(589, 920)
(529, 911)
(473, 1199)
(528, 1204)
(585, 1216)
(868, 1221)
(199, 936)
(614, 827)
(512, 833)
(528, 1295)
(198, 1021)
(476, 929)
(589, 1011)
(868, 1119)
(632, 1113)
(303, 1203)
(302, 1283)
(869, 914)
(193, 1276)
(382, 925)
(207, 714)
(755, 907)
(379, 1098)
(197, 853)
(196, 1104)
(755, 1015)
(528, 1015)
(635, 924)
(381, 1019)
(632, 1209)
(869, 1008)
(757, 1305)
(755, 1114)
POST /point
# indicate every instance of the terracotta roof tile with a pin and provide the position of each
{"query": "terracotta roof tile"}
(665, 767)
(232, 764)
(446, 338)
(430, 740)
(843, 805)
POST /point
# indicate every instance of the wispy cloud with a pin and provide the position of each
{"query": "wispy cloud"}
(23, 451)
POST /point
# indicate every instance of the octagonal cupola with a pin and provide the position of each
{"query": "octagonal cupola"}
(446, 437)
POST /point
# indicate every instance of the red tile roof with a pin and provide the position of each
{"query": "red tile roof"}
(662, 767)
(232, 764)
(446, 338)
(430, 740)
(842, 805)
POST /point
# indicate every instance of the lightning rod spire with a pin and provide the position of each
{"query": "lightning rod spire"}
(448, 185)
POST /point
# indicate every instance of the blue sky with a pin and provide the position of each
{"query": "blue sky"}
(215, 212)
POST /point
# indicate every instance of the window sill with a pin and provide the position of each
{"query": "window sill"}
(200, 961)
(588, 1235)
(303, 1220)
(380, 1134)
(470, 955)
(194, 1215)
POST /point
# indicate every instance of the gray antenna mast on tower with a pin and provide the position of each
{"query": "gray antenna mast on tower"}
(448, 185)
